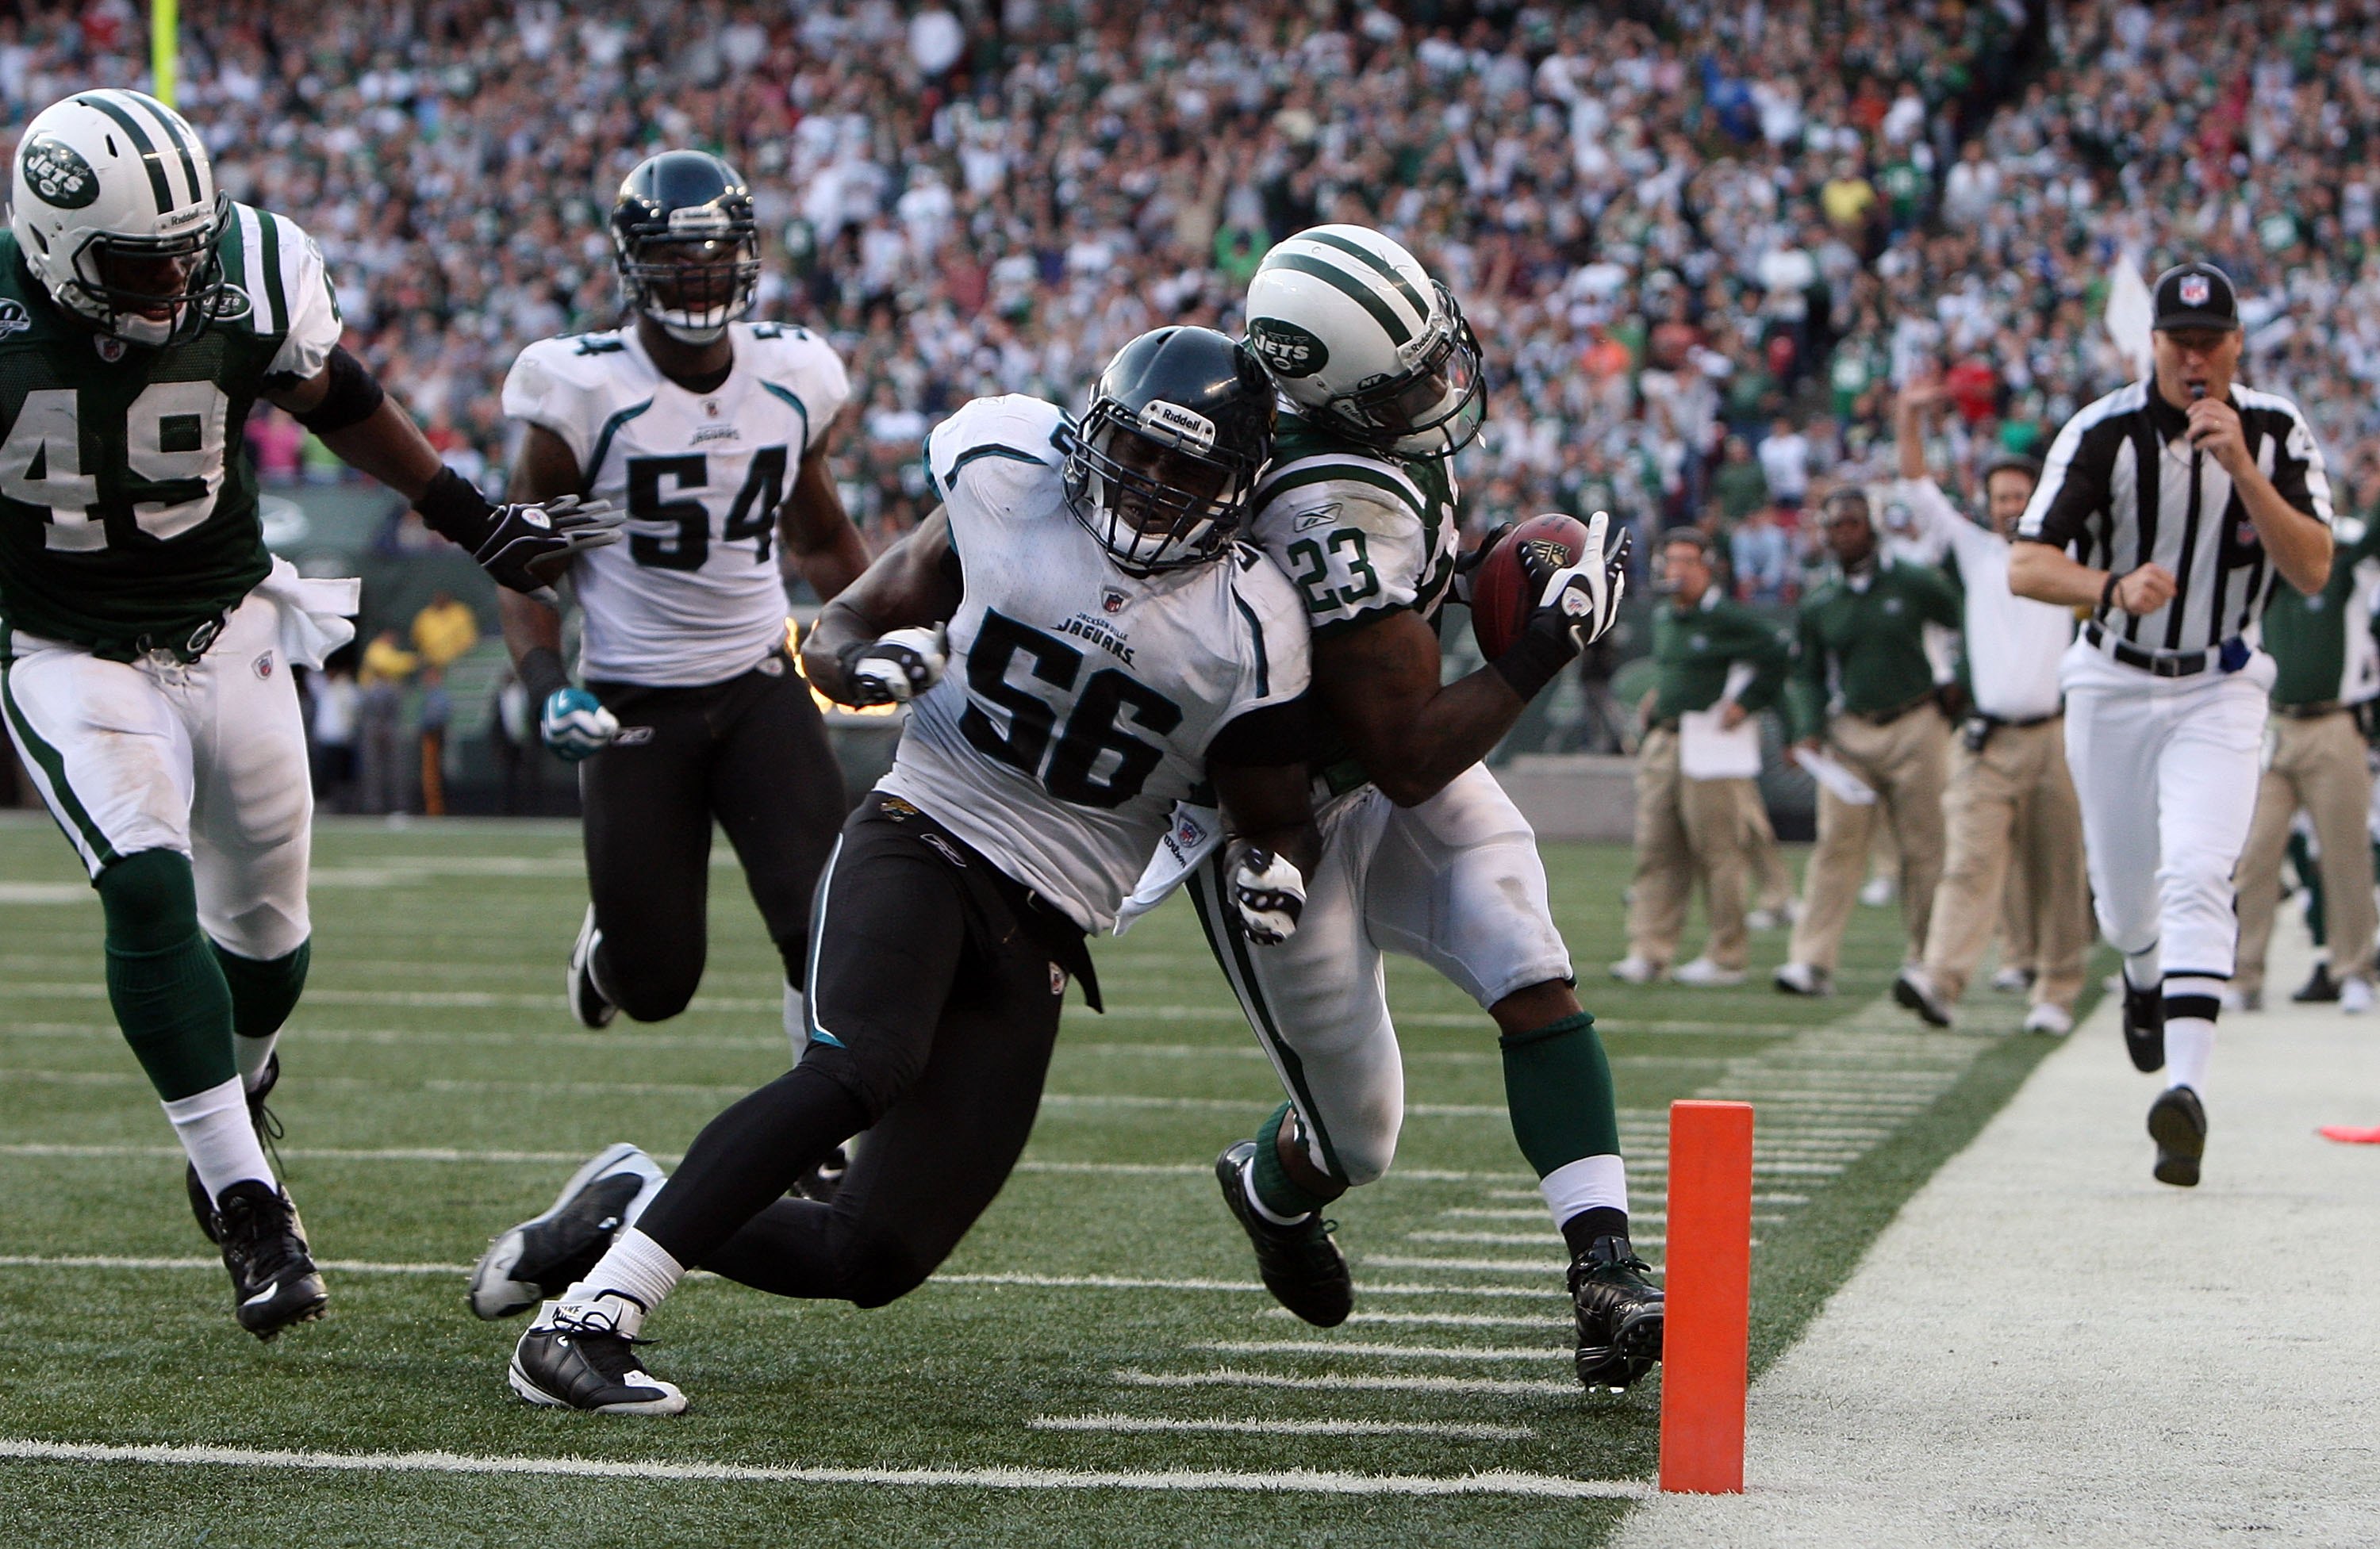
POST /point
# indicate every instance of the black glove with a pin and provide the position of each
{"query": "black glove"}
(1466, 564)
(512, 544)
(1576, 605)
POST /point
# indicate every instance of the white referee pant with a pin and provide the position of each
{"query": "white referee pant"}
(2165, 769)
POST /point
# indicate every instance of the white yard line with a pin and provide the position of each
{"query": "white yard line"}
(1290, 1482)
(1390, 1351)
(1438, 1320)
(1136, 1424)
(1510, 1388)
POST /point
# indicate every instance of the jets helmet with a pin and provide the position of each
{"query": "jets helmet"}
(1163, 462)
(115, 211)
(687, 243)
(1361, 339)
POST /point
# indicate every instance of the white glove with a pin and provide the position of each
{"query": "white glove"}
(1267, 894)
(897, 667)
(1587, 596)
(575, 724)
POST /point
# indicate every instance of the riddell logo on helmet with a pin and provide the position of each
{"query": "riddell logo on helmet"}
(1285, 348)
(56, 172)
(1186, 425)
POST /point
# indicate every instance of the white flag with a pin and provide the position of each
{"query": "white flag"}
(2131, 312)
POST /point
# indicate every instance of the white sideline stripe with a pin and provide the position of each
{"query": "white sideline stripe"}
(1438, 1320)
(1281, 1427)
(1226, 1377)
(1290, 1482)
(1394, 1353)
(115, 1261)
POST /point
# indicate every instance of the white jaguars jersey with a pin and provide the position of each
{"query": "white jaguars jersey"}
(692, 595)
(1080, 701)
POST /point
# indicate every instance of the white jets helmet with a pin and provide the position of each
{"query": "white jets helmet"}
(1361, 339)
(115, 211)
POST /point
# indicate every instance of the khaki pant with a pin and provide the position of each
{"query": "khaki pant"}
(1771, 884)
(2318, 765)
(1904, 764)
(2015, 829)
(1687, 831)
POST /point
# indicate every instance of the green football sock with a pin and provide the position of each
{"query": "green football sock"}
(1274, 1187)
(263, 993)
(1557, 1087)
(163, 979)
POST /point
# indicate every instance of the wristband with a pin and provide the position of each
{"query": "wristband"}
(1535, 659)
(541, 672)
(2108, 592)
(453, 508)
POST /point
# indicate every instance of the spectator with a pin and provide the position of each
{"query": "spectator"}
(381, 773)
(444, 631)
(1762, 555)
(437, 712)
(334, 706)
(1785, 464)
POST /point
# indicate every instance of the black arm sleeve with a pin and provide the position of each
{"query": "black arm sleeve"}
(1267, 737)
(355, 396)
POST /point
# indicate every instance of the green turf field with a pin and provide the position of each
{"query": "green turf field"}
(1095, 1365)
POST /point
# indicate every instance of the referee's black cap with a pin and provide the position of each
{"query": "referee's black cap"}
(2196, 296)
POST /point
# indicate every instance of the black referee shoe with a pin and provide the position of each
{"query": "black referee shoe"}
(2178, 1124)
(1300, 1265)
(2145, 1027)
(267, 1130)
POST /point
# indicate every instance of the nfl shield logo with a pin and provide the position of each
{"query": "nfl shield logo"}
(1112, 600)
(2195, 290)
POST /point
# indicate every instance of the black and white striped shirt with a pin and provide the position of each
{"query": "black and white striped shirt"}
(2123, 488)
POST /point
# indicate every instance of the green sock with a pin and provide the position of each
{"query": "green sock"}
(1273, 1185)
(162, 980)
(263, 991)
(1558, 1085)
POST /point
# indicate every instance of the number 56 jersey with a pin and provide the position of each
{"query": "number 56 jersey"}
(694, 595)
(1081, 702)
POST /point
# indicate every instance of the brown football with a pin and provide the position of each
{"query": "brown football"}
(1504, 591)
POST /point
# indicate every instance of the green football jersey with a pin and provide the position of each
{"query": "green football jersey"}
(128, 503)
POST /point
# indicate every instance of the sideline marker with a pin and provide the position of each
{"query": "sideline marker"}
(1706, 1329)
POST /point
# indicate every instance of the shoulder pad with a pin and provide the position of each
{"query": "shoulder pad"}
(1012, 428)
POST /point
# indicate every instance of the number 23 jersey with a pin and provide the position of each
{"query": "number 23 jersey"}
(1080, 702)
(693, 596)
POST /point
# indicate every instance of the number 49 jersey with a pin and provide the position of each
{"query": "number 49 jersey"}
(693, 596)
(1081, 702)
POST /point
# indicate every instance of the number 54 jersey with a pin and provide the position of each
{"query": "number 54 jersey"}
(694, 595)
(1081, 702)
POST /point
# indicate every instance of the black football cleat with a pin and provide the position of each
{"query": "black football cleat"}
(267, 1130)
(2145, 1027)
(1300, 1265)
(2320, 990)
(545, 1256)
(823, 1182)
(274, 1279)
(582, 1359)
(1619, 1314)
(588, 1004)
(2178, 1124)
(1914, 991)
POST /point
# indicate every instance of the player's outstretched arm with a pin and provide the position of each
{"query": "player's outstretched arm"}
(821, 544)
(1275, 845)
(878, 640)
(1410, 733)
(523, 546)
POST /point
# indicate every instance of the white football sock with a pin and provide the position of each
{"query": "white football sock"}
(1589, 1184)
(797, 1021)
(215, 1132)
(253, 1055)
(2189, 1049)
(635, 1266)
(1255, 1202)
(2142, 970)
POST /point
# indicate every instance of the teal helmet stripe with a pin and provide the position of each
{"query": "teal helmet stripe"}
(1373, 261)
(150, 154)
(177, 131)
(1339, 279)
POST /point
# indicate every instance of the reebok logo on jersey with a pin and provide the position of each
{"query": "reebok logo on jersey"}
(943, 848)
(13, 319)
(633, 736)
(1321, 516)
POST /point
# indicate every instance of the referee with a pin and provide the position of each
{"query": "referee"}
(2166, 509)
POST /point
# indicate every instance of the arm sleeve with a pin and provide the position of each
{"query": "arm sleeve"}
(2063, 502)
(310, 324)
(1805, 684)
(537, 394)
(2297, 471)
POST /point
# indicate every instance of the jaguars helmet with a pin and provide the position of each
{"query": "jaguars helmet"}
(1363, 341)
(687, 246)
(1164, 461)
(115, 211)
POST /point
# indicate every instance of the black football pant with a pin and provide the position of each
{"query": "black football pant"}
(750, 752)
(936, 984)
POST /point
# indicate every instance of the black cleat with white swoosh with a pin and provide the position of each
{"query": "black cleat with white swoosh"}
(274, 1279)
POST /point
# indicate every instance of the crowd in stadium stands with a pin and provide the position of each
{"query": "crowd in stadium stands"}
(1702, 241)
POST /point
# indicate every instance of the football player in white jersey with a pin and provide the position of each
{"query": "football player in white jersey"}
(1110, 651)
(1425, 853)
(714, 433)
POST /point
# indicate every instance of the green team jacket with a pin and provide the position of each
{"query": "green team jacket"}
(1862, 649)
(1695, 649)
(2323, 644)
(127, 504)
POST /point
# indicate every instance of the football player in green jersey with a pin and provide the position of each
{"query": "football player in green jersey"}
(146, 636)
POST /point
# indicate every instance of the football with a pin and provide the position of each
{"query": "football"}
(1506, 588)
